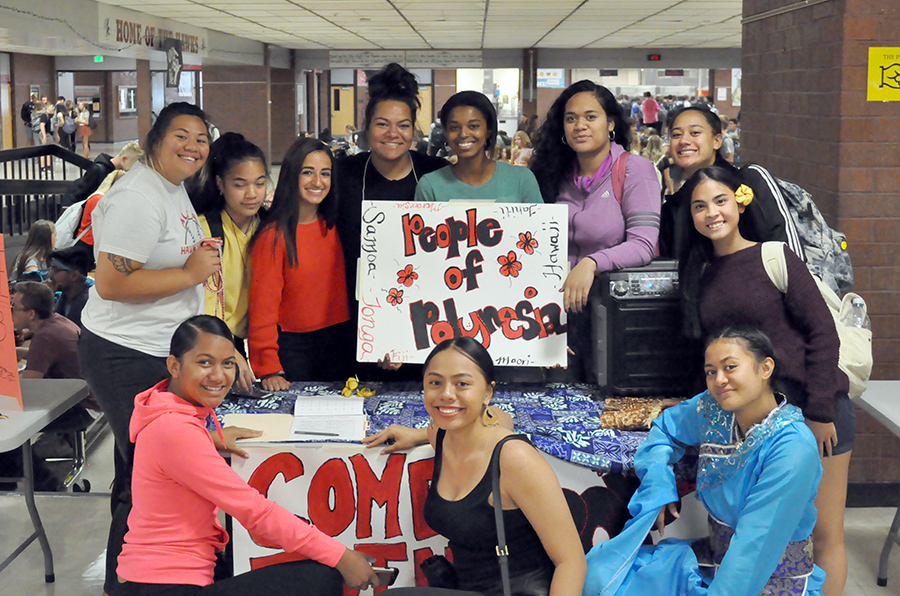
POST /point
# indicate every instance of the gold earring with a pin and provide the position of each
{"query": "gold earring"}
(489, 418)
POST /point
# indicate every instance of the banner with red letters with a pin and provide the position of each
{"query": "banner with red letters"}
(374, 503)
(433, 271)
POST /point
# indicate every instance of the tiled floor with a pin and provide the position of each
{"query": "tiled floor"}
(77, 525)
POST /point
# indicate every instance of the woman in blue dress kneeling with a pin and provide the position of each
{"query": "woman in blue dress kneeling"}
(757, 477)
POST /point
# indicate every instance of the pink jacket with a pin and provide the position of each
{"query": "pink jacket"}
(179, 483)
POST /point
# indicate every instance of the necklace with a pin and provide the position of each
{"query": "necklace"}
(412, 164)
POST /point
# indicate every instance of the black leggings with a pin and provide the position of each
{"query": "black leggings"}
(284, 579)
(115, 375)
(321, 355)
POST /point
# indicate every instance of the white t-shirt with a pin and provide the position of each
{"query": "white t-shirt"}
(147, 219)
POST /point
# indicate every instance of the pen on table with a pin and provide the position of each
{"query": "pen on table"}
(318, 434)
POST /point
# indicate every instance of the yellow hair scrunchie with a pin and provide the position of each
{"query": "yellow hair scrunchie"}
(744, 195)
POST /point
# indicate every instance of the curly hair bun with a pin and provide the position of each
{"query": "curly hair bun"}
(393, 79)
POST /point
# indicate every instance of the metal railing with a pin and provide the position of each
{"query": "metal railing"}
(33, 181)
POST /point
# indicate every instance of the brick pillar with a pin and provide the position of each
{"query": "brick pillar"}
(283, 113)
(806, 118)
(444, 88)
(236, 99)
(145, 106)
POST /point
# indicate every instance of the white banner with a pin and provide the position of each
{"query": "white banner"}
(444, 59)
(129, 29)
(432, 271)
(372, 59)
(376, 59)
(374, 503)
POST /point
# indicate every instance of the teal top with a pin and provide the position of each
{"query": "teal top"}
(509, 184)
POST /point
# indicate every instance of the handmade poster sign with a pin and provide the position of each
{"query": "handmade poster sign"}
(433, 271)
(10, 390)
(374, 503)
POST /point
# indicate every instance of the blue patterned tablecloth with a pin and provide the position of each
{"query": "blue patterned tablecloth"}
(561, 420)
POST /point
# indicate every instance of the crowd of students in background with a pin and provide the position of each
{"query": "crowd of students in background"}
(64, 123)
(193, 227)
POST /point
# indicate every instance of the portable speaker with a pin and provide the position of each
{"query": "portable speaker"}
(636, 333)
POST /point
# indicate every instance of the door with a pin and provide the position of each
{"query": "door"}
(6, 125)
(426, 112)
(342, 109)
(302, 123)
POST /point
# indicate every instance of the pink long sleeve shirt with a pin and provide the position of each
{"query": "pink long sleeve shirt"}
(180, 481)
(615, 236)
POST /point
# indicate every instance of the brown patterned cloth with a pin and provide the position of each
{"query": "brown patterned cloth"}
(633, 413)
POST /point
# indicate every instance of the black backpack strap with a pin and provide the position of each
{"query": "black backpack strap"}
(216, 230)
(502, 549)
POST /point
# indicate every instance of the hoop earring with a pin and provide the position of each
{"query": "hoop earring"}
(564, 141)
(489, 418)
(612, 136)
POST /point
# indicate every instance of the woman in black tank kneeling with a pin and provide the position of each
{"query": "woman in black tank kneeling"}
(545, 553)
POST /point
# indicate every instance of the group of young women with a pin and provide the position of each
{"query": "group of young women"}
(282, 279)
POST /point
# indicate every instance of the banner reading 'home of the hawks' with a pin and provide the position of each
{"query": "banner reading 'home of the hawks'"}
(431, 271)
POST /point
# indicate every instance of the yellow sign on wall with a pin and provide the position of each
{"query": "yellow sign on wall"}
(884, 74)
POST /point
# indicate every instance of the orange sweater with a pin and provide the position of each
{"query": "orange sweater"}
(308, 297)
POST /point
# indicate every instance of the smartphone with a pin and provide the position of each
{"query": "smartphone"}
(255, 394)
(386, 575)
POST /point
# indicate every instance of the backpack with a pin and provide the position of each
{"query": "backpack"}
(855, 358)
(825, 249)
(69, 126)
(68, 224)
(27, 109)
(36, 124)
(618, 183)
(70, 220)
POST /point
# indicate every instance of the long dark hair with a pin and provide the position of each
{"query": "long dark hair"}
(38, 244)
(697, 252)
(553, 158)
(480, 102)
(754, 341)
(158, 131)
(228, 151)
(188, 333)
(393, 83)
(284, 214)
(471, 349)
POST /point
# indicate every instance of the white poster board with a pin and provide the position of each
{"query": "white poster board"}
(432, 271)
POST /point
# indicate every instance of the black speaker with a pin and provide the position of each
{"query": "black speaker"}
(636, 333)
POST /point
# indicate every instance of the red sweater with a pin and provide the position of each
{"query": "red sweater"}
(736, 290)
(179, 482)
(307, 297)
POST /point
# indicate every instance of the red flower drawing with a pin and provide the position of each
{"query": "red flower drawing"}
(407, 276)
(509, 265)
(395, 296)
(527, 243)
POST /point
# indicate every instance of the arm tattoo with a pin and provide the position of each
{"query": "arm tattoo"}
(120, 264)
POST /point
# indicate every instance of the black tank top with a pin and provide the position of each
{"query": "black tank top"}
(470, 527)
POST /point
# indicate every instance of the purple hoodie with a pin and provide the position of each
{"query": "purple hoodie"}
(615, 236)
